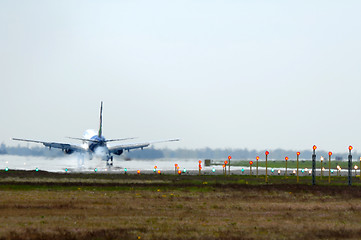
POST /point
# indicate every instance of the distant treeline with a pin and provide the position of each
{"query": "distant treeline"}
(204, 153)
(245, 154)
(26, 151)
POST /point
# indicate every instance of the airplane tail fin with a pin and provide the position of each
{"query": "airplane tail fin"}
(101, 120)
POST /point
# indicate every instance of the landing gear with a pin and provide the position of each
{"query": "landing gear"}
(110, 163)
(80, 160)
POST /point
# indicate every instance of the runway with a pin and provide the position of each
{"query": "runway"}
(165, 166)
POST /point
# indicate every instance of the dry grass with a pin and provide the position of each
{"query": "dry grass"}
(95, 206)
(250, 212)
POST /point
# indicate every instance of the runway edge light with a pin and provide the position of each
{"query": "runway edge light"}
(250, 167)
(257, 158)
(329, 167)
(350, 166)
(298, 157)
(266, 177)
(314, 165)
(229, 164)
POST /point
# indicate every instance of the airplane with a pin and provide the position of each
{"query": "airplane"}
(96, 144)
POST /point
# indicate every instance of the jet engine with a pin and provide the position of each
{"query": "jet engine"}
(68, 151)
(118, 152)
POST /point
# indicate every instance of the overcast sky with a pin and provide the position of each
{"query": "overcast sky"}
(228, 74)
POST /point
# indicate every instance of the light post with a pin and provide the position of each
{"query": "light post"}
(257, 158)
(229, 165)
(286, 158)
(355, 167)
(200, 166)
(321, 166)
(266, 166)
(175, 168)
(225, 167)
(250, 167)
(298, 156)
(329, 166)
(360, 168)
(338, 169)
(350, 166)
(314, 165)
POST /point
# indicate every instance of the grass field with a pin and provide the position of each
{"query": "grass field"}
(107, 206)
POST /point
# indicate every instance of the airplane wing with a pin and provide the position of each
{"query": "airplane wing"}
(108, 140)
(127, 147)
(68, 148)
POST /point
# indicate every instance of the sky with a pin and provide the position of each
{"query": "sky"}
(214, 73)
